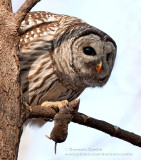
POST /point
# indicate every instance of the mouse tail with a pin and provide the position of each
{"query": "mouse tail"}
(55, 147)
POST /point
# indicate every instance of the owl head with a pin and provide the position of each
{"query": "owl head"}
(85, 55)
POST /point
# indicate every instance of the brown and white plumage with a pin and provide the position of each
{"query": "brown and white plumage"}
(53, 62)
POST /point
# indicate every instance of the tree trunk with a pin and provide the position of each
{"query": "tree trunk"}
(11, 109)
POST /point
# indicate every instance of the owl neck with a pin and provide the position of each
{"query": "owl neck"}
(71, 82)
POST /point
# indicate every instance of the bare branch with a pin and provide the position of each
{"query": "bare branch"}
(107, 128)
(24, 10)
(114, 131)
(42, 112)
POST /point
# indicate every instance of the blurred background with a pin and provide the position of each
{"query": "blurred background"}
(118, 102)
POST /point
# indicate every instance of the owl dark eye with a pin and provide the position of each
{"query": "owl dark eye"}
(89, 51)
(107, 56)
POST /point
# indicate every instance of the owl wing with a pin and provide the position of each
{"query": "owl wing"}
(37, 33)
(37, 29)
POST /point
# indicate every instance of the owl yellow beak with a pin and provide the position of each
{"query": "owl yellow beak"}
(98, 67)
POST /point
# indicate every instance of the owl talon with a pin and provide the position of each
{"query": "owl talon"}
(63, 103)
(55, 105)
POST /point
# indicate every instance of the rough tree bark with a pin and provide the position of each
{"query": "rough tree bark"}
(10, 98)
(12, 109)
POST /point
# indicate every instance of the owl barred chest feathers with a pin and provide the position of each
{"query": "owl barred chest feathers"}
(60, 56)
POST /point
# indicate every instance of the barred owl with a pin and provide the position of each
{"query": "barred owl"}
(60, 56)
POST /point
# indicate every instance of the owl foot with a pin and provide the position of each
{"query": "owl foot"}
(55, 105)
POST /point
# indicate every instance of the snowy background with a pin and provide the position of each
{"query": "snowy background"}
(118, 102)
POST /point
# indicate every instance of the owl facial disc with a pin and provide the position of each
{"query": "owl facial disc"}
(98, 67)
